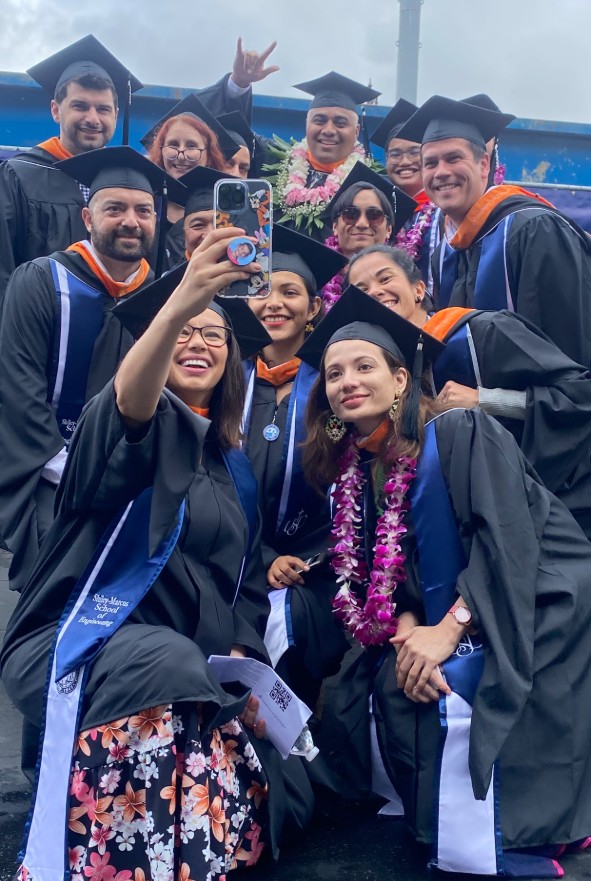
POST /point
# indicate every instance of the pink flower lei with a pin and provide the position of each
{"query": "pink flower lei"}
(373, 622)
(411, 240)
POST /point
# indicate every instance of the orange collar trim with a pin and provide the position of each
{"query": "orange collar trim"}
(374, 441)
(56, 148)
(483, 208)
(440, 324)
(327, 168)
(201, 411)
(115, 288)
(279, 375)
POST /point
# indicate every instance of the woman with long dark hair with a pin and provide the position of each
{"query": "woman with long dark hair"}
(303, 641)
(467, 583)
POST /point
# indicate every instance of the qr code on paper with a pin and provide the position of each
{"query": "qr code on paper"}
(280, 695)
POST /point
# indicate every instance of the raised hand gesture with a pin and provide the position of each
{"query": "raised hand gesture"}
(249, 66)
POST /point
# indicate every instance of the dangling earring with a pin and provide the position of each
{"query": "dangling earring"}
(393, 408)
(309, 327)
(418, 299)
(335, 428)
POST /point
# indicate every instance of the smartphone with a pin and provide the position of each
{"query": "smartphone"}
(249, 205)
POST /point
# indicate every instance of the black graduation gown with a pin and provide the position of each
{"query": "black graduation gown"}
(320, 640)
(159, 655)
(175, 249)
(40, 206)
(511, 353)
(526, 582)
(40, 210)
(548, 269)
(29, 434)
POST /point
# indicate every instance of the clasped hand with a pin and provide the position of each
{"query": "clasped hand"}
(420, 652)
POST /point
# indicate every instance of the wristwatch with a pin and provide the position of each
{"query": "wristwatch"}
(462, 615)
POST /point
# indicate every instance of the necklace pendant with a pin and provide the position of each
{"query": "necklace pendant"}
(271, 432)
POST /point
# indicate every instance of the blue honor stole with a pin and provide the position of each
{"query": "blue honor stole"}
(82, 311)
(117, 578)
(466, 831)
(491, 287)
(458, 361)
(296, 496)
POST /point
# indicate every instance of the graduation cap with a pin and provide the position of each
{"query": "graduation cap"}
(120, 167)
(393, 122)
(192, 106)
(335, 90)
(357, 316)
(403, 206)
(482, 100)
(240, 131)
(198, 187)
(440, 118)
(87, 56)
(294, 252)
(136, 312)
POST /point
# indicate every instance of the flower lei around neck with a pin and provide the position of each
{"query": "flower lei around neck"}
(411, 240)
(333, 289)
(298, 202)
(373, 622)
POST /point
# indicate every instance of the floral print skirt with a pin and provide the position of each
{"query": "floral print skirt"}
(151, 797)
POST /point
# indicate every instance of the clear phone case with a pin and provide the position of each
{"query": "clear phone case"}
(247, 204)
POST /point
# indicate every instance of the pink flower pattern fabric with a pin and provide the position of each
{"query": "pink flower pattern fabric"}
(151, 797)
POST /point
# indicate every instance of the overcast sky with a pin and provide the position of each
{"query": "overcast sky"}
(531, 56)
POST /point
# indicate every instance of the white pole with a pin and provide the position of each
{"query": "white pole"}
(408, 49)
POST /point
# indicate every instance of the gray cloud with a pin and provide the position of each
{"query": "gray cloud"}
(530, 55)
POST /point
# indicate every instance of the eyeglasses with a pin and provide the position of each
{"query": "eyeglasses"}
(211, 334)
(374, 216)
(193, 154)
(412, 153)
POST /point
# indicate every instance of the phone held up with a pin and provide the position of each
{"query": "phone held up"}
(247, 204)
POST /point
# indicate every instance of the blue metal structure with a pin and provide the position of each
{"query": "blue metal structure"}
(534, 151)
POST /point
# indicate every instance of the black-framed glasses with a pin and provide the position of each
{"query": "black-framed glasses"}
(211, 334)
(193, 154)
(412, 153)
(374, 216)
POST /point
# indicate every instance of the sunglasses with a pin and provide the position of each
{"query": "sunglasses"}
(374, 216)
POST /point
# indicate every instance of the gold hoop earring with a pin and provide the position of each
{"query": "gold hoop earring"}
(335, 428)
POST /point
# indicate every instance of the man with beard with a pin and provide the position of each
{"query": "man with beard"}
(40, 208)
(59, 342)
(309, 173)
(503, 247)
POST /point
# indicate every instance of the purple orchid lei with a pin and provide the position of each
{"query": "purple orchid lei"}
(333, 289)
(373, 622)
(500, 172)
(411, 240)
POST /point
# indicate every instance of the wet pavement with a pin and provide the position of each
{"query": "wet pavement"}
(346, 841)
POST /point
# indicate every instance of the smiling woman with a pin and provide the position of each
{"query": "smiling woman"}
(442, 540)
(156, 468)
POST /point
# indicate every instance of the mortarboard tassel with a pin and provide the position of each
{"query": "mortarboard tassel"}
(161, 231)
(410, 417)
